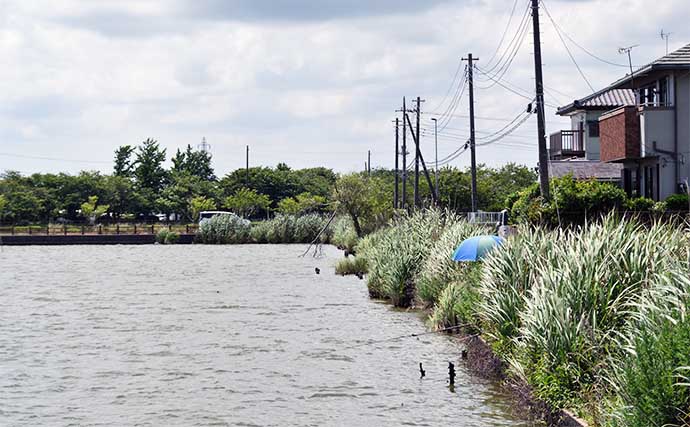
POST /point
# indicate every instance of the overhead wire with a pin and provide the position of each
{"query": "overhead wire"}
(505, 32)
(503, 68)
(567, 49)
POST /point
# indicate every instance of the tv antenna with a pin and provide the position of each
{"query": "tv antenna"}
(628, 50)
(665, 36)
(204, 146)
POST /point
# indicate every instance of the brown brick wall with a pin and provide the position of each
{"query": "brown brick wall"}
(620, 135)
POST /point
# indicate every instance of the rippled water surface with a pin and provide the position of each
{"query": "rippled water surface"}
(217, 335)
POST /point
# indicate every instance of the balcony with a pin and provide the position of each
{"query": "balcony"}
(567, 144)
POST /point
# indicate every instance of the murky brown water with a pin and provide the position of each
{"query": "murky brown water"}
(216, 335)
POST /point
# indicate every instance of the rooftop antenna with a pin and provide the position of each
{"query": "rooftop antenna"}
(628, 50)
(204, 146)
(665, 36)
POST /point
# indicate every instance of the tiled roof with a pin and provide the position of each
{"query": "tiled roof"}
(614, 96)
(602, 100)
(586, 169)
(679, 57)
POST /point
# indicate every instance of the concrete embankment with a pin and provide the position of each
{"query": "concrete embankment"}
(87, 239)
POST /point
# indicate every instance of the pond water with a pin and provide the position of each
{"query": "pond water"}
(217, 335)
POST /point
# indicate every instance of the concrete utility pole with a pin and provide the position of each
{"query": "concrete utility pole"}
(397, 154)
(421, 159)
(247, 169)
(541, 120)
(436, 152)
(473, 153)
(417, 199)
(404, 156)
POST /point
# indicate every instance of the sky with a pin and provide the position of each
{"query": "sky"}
(305, 82)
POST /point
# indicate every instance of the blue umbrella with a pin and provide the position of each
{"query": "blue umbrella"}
(475, 248)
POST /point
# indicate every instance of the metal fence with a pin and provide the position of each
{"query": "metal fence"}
(110, 229)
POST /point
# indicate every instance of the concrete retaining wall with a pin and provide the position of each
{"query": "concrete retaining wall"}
(88, 239)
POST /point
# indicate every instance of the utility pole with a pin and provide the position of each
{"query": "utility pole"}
(403, 204)
(473, 153)
(436, 152)
(369, 162)
(247, 169)
(417, 199)
(541, 120)
(397, 178)
(421, 158)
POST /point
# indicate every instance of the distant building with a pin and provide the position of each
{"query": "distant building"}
(640, 125)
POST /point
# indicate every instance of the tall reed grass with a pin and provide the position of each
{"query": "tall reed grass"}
(592, 318)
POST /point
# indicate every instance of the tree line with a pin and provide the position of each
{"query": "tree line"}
(142, 188)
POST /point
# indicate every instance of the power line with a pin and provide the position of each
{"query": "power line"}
(505, 32)
(450, 88)
(567, 49)
(511, 46)
(588, 52)
(55, 159)
(512, 54)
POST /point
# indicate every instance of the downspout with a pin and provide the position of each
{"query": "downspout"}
(675, 130)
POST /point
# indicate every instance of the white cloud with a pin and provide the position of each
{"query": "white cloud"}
(315, 85)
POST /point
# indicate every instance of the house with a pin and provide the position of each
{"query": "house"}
(651, 139)
(640, 124)
(576, 151)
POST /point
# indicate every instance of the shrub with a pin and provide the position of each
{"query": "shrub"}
(572, 201)
(351, 266)
(639, 204)
(290, 229)
(223, 229)
(677, 202)
(343, 234)
(166, 237)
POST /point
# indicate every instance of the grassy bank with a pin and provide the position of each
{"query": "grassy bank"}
(592, 319)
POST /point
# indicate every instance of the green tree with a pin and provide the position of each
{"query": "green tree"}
(365, 199)
(150, 176)
(3, 205)
(91, 210)
(303, 203)
(123, 161)
(247, 202)
(196, 163)
(200, 204)
(149, 171)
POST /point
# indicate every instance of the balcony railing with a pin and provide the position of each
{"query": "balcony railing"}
(567, 143)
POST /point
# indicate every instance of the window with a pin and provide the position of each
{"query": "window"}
(663, 92)
(593, 128)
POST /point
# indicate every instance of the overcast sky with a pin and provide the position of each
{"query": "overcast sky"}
(306, 82)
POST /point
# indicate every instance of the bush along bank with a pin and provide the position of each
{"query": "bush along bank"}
(591, 319)
(231, 229)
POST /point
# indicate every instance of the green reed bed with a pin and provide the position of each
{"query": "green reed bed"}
(590, 318)
(231, 229)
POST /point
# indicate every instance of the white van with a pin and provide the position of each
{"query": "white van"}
(203, 216)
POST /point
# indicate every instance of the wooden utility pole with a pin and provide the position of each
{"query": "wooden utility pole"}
(541, 120)
(369, 162)
(397, 154)
(473, 152)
